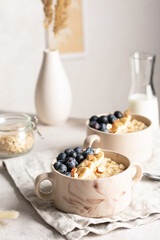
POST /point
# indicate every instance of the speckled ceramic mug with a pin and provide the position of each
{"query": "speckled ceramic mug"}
(137, 146)
(101, 197)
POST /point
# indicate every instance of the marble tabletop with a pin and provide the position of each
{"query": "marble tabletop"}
(30, 225)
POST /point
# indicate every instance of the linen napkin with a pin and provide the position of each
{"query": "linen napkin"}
(144, 208)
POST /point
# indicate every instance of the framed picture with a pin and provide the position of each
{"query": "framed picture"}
(72, 40)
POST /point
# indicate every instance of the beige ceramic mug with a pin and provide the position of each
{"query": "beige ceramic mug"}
(101, 197)
(137, 146)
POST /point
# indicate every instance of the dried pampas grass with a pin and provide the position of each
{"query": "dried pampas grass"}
(60, 15)
(48, 12)
(55, 20)
(55, 14)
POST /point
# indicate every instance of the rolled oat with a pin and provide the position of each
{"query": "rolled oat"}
(16, 143)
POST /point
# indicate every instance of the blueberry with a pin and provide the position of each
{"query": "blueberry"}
(85, 154)
(93, 118)
(111, 118)
(79, 157)
(62, 168)
(99, 120)
(76, 163)
(103, 127)
(68, 150)
(103, 119)
(118, 114)
(94, 125)
(61, 161)
(71, 163)
(78, 150)
(89, 151)
(62, 156)
(68, 174)
(56, 164)
(72, 154)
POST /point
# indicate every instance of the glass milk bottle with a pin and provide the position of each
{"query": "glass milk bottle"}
(142, 99)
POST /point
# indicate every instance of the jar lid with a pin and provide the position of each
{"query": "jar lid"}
(14, 122)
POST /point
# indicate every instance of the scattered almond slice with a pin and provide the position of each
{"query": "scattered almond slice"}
(125, 121)
(85, 168)
(126, 113)
(9, 214)
(116, 127)
(101, 169)
(99, 175)
(74, 173)
(99, 158)
(90, 157)
(97, 150)
(121, 166)
(109, 126)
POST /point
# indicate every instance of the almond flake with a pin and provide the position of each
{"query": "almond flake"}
(97, 150)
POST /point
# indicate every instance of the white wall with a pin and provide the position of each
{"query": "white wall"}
(100, 82)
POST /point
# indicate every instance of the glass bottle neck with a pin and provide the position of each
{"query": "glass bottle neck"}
(142, 69)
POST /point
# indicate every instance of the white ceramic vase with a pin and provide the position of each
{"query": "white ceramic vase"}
(53, 97)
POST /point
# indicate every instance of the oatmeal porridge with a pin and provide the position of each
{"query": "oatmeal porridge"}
(97, 166)
(116, 123)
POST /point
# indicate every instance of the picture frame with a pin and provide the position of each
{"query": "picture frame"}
(83, 53)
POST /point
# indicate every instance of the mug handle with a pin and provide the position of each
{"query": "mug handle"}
(40, 178)
(139, 173)
(90, 140)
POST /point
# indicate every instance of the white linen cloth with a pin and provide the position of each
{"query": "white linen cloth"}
(144, 208)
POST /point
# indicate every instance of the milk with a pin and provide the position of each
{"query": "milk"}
(146, 105)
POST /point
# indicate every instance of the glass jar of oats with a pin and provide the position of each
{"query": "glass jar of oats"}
(16, 134)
